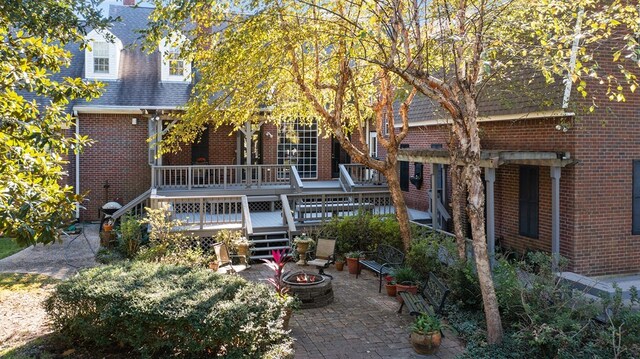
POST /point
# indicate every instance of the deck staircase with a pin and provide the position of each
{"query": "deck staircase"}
(267, 240)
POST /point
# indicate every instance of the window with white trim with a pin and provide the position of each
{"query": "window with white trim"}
(173, 68)
(298, 146)
(100, 57)
(373, 144)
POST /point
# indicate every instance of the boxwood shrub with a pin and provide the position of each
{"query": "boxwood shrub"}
(163, 310)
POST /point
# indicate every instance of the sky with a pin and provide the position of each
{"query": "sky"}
(105, 5)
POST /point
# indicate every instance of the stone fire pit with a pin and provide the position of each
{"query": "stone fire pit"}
(313, 290)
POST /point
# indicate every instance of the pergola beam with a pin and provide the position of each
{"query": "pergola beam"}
(491, 158)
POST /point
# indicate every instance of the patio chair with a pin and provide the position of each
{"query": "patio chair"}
(325, 255)
(224, 258)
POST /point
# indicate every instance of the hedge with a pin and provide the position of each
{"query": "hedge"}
(163, 310)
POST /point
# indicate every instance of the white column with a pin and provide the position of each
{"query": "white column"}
(434, 196)
(247, 142)
(490, 179)
(555, 216)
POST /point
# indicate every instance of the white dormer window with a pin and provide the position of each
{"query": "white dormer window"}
(173, 68)
(102, 56)
(176, 65)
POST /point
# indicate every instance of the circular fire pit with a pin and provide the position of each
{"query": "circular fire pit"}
(313, 290)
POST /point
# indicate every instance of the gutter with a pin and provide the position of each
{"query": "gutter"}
(77, 159)
(495, 118)
(572, 61)
(120, 109)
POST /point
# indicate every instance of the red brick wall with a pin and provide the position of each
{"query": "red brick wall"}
(222, 149)
(119, 156)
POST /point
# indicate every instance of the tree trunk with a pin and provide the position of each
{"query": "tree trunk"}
(458, 194)
(475, 209)
(402, 215)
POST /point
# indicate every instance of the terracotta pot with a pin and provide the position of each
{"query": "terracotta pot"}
(391, 289)
(107, 227)
(411, 288)
(352, 264)
(339, 266)
(213, 266)
(426, 343)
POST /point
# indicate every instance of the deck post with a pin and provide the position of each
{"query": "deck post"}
(555, 216)
(490, 179)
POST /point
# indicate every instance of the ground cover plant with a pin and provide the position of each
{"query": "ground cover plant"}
(164, 310)
(543, 317)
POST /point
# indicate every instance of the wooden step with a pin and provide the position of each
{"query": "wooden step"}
(262, 249)
(270, 240)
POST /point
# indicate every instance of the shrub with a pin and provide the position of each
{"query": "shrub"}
(362, 232)
(424, 255)
(163, 310)
(130, 236)
(166, 245)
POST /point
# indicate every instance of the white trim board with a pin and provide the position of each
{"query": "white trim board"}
(510, 117)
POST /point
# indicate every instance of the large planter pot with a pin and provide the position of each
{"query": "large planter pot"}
(391, 289)
(426, 343)
(339, 266)
(302, 248)
(107, 239)
(243, 250)
(354, 266)
(411, 288)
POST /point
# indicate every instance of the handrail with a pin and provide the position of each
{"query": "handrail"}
(246, 216)
(345, 179)
(133, 203)
(296, 181)
(287, 217)
(362, 175)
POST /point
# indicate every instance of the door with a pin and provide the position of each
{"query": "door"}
(338, 156)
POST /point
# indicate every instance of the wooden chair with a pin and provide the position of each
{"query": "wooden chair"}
(224, 258)
(325, 255)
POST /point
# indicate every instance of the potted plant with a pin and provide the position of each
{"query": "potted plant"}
(339, 263)
(425, 334)
(282, 291)
(353, 263)
(213, 261)
(391, 288)
(301, 245)
(406, 281)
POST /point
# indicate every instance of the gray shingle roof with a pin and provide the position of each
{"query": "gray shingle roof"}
(139, 82)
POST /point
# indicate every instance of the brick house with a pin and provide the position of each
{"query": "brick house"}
(557, 178)
(141, 90)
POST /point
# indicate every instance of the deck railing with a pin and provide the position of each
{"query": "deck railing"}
(135, 207)
(222, 177)
(362, 175)
(207, 212)
(307, 208)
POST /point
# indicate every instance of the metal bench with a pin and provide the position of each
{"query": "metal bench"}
(384, 259)
(430, 301)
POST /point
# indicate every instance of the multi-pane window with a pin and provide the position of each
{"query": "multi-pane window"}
(528, 201)
(176, 66)
(100, 57)
(298, 145)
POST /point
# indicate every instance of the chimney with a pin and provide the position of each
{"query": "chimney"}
(129, 2)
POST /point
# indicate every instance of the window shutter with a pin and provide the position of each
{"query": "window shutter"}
(404, 172)
(636, 198)
(528, 202)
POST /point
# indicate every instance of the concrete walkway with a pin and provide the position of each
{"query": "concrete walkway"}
(361, 323)
(59, 260)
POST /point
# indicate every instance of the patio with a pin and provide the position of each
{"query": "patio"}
(360, 323)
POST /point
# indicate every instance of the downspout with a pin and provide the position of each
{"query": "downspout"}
(572, 60)
(77, 158)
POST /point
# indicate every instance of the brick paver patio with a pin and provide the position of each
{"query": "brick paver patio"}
(361, 323)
